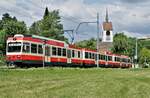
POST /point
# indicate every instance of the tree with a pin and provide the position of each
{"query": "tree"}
(91, 44)
(2, 42)
(49, 26)
(1, 25)
(46, 12)
(144, 56)
(120, 44)
(126, 45)
(13, 27)
(131, 46)
(10, 26)
(6, 17)
(35, 28)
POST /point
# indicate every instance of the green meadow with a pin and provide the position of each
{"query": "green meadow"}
(74, 83)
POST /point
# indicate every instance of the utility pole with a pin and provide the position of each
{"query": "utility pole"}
(97, 48)
(136, 57)
(136, 48)
(44, 44)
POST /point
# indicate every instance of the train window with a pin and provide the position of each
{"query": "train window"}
(59, 51)
(14, 47)
(124, 60)
(26, 47)
(73, 53)
(86, 54)
(53, 50)
(102, 57)
(93, 55)
(78, 54)
(69, 53)
(115, 58)
(33, 48)
(90, 55)
(129, 61)
(99, 56)
(118, 59)
(47, 51)
(40, 49)
(64, 52)
(121, 59)
(109, 58)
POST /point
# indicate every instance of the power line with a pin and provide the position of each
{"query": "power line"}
(77, 18)
(69, 19)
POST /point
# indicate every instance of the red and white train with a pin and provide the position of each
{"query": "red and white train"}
(23, 50)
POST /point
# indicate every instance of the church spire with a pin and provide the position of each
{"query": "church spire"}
(106, 18)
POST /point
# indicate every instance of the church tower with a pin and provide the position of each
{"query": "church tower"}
(107, 34)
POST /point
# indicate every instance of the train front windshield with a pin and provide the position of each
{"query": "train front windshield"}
(14, 47)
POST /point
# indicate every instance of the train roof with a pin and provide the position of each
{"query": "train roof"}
(39, 39)
(74, 47)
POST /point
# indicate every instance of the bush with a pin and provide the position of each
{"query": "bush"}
(2, 60)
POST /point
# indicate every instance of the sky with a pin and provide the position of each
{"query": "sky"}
(129, 16)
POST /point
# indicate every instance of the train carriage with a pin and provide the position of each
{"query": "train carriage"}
(117, 61)
(102, 60)
(113, 60)
(31, 50)
(89, 57)
(125, 62)
(75, 57)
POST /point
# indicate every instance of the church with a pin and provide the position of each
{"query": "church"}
(107, 35)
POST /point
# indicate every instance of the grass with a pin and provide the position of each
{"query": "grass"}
(74, 83)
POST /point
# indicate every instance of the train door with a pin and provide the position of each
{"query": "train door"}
(47, 54)
(95, 56)
(68, 56)
(106, 58)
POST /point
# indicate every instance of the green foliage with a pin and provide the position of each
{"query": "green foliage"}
(125, 45)
(144, 56)
(35, 28)
(90, 44)
(145, 43)
(46, 12)
(132, 45)
(2, 42)
(49, 26)
(10, 26)
(120, 43)
(13, 27)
